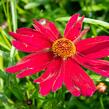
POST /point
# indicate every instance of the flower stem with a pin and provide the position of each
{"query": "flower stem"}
(101, 102)
(14, 15)
(5, 38)
(1, 61)
(87, 20)
(14, 21)
(6, 12)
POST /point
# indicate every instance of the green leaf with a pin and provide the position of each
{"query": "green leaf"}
(31, 5)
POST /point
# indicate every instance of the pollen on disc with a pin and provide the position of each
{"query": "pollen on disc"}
(64, 48)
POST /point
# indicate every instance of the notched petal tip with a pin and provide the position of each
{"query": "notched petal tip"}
(10, 70)
(82, 18)
(34, 20)
(73, 27)
(6, 69)
(73, 19)
(43, 94)
(11, 33)
(74, 16)
(83, 32)
(19, 76)
(76, 93)
(22, 74)
(37, 80)
(14, 35)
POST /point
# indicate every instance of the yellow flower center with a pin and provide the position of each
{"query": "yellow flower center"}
(64, 48)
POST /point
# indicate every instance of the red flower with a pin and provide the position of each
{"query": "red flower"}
(61, 57)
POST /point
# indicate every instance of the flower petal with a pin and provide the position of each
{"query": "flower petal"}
(46, 86)
(51, 26)
(99, 66)
(25, 30)
(47, 79)
(75, 30)
(98, 54)
(15, 68)
(93, 47)
(24, 47)
(48, 29)
(52, 68)
(82, 33)
(32, 39)
(70, 23)
(59, 79)
(35, 61)
(29, 71)
(77, 81)
(68, 80)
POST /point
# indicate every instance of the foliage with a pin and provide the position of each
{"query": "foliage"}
(23, 93)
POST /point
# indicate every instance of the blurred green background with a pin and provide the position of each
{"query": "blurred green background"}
(23, 93)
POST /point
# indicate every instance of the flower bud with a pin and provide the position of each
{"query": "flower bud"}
(101, 87)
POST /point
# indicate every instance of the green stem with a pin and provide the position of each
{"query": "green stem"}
(4, 8)
(6, 12)
(1, 62)
(101, 102)
(14, 21)
(14, 14)
(8, 16)
(5, 37)
(87, 20)
(4, 46)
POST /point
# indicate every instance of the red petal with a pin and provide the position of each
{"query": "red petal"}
(24, 47)
(34, 40)
(98, 54)
(49, 30)
(83, 32)
(47, 79)
(83, 81)
(75, 30)
(28, 72)
(68, 80)
(38, 26)
(46, 86)
(54, 29)
(31, 71)
(25, 30)
(59, 79)
(94, 46)
(14, 69)
(70, 23)
(77, 81)
(51, 26)
(52, 68)
(35, 61)
(58, 82)
(99, 66)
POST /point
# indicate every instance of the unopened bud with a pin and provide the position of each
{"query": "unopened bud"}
(101, 87)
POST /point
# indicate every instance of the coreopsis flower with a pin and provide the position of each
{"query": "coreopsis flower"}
(61, 56)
